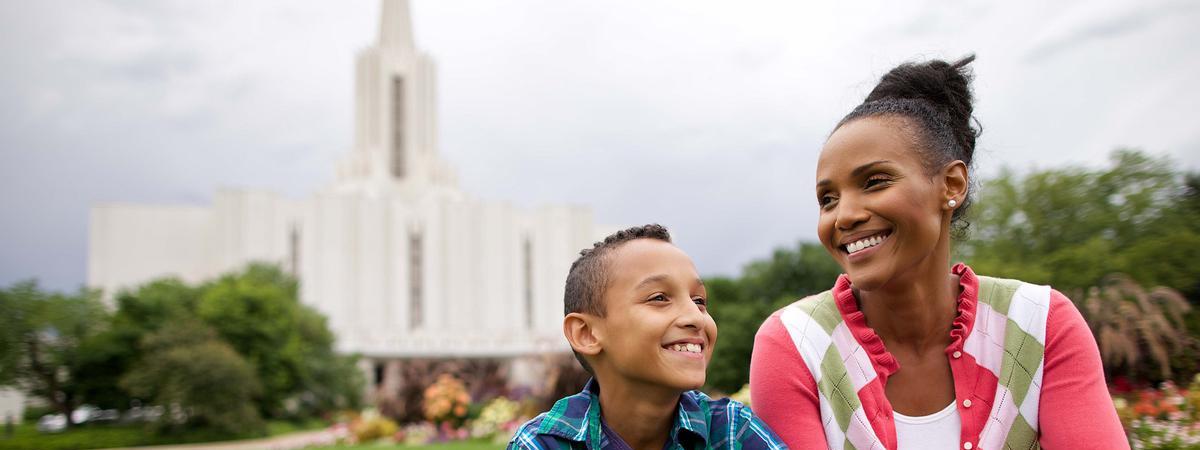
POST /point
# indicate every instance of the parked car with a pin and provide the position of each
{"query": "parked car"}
(52, 423)
(83, 413)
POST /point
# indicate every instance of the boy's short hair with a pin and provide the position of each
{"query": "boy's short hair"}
(588, 278)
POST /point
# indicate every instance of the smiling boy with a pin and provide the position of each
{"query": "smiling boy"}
(637, 319)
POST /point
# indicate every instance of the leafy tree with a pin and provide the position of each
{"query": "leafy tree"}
(789, 274)
(257, 312)
(1072, 226)
(110, 354)
(40, 342)
(200, 379)
(737, 321)
(740, 306)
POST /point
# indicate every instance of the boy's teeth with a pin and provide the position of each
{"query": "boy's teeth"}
(690, 348)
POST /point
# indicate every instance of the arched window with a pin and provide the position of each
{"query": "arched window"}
(527, 256)
(398, 163)
(416, 290)
(294, 250)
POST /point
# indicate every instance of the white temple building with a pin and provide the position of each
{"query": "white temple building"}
(402, 262)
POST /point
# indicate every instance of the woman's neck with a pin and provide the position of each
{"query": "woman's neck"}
(915, 311)
(641, 417)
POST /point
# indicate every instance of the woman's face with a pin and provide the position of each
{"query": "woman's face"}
(882, 215)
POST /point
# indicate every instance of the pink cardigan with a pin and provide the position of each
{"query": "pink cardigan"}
(1075, 409)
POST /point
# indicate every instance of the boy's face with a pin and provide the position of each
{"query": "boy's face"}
(656, 329)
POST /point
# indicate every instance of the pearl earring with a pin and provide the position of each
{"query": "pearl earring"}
(952, 203)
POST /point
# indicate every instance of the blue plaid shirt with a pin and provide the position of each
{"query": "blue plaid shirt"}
(574, 423)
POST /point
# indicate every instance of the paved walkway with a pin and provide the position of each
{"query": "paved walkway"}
(290, 441)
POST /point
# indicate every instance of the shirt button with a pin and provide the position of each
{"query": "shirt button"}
(967, 446)
(967, 404)
(957, 354)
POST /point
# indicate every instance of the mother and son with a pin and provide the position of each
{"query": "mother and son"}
(904, 352)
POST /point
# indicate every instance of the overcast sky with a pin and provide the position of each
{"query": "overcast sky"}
(704, 116)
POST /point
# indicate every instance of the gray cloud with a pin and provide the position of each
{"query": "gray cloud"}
(704, 118)
(1111, 23)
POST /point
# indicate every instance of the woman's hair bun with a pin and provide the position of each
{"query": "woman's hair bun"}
(945, 86)
(936, 95)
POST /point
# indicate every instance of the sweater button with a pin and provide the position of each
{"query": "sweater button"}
(967, 404)
(967, 445)
(957, 354)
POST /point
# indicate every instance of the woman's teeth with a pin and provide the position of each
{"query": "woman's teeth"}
(690, 348)
(855, 247)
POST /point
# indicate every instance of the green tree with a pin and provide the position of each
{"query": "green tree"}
(40, 342)
(257, 312)
(109, 355)
(201, 380)
(740, 305)
(1072, 226)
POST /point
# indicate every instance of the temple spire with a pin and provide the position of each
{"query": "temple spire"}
(395, 25)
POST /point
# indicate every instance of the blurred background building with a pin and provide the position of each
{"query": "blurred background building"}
(411, 271)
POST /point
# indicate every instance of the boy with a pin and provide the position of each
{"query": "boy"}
(637, 320)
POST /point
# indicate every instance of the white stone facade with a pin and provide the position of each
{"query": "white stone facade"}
(401, 261)
(12, 406)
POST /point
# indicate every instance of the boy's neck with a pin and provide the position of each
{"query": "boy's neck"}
(641, 415)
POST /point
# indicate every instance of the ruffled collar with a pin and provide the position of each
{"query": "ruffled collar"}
(886, 364)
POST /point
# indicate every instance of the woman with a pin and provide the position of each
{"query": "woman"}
(903, 353)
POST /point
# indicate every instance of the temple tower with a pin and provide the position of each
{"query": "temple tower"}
(395, 111)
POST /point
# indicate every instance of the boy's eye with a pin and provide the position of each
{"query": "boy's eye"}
(659, 298)
(700, 301)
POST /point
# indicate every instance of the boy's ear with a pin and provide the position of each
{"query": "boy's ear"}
(584, 332)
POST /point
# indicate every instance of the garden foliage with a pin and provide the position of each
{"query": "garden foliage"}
(221, 355)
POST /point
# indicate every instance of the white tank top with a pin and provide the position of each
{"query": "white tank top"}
(939, 430)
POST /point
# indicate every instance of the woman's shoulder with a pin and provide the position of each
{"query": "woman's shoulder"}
(1061, 317)
(809, 303)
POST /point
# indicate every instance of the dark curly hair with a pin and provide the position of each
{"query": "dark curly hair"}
(935, 96)
(588, 277)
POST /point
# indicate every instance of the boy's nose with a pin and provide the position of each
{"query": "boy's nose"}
(691, 317)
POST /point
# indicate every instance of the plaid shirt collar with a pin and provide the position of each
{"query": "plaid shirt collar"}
(577, 418)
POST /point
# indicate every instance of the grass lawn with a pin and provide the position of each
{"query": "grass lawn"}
(461, 445)
(26, 436)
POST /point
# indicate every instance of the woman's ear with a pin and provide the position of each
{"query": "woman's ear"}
(955, 184)
(585, 332)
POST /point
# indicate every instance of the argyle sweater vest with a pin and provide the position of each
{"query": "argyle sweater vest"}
(1007, 339)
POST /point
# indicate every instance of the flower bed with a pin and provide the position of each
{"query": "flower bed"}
(1167, 418)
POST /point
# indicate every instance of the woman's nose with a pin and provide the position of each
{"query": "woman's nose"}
(850, 213)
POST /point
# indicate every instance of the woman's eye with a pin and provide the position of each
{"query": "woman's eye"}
(826, 200)
(875, 181)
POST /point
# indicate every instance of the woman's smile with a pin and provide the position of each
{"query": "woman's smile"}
(862, 249)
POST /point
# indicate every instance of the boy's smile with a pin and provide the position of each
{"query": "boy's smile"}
(656, 330)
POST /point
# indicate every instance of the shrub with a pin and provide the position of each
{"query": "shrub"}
(446, 401)
(497, 420)
(419, 433)
(373, 427)
(200, 379)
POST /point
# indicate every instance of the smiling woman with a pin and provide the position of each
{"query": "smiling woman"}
(906, 351)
